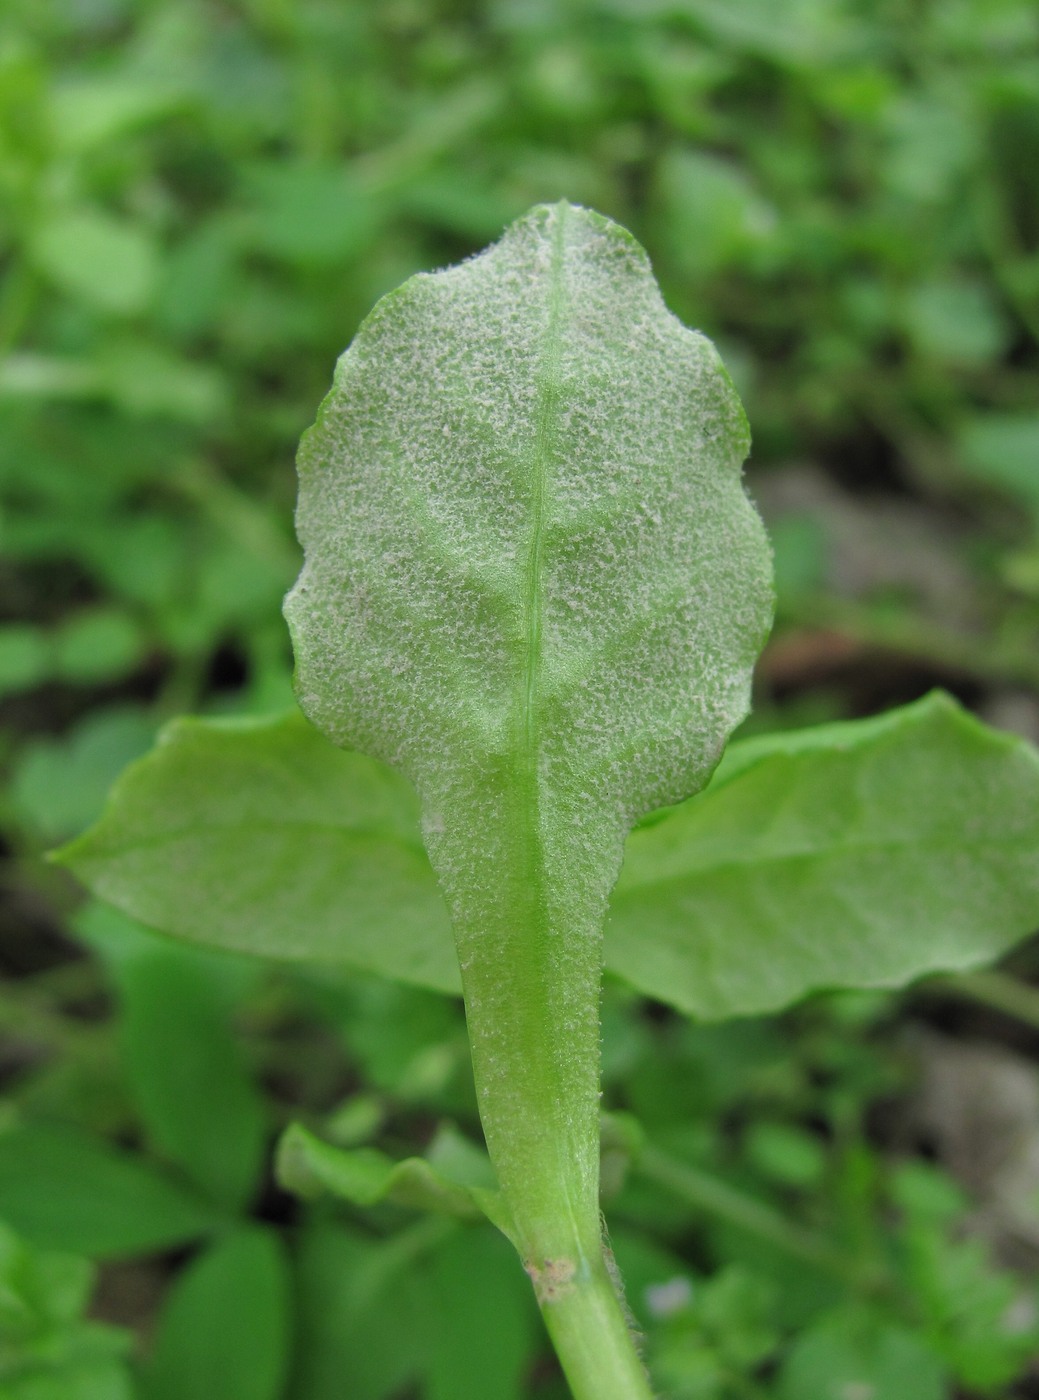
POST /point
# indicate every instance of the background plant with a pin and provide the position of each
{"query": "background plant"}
(841, 195)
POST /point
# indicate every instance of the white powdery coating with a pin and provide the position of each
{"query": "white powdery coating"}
(524, 528)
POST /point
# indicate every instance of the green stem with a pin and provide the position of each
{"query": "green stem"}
(541, 1125)
(1007, 662)
(717, 1198)
(997, 990)
(16, 303)
(591, 1336)
(527, 913)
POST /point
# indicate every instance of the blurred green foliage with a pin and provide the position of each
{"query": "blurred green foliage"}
(199, 201)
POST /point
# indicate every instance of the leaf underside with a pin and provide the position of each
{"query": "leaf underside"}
(532, 581)
(257, 836)
(529, 559)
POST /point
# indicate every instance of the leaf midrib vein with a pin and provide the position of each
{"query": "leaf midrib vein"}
(543, 436)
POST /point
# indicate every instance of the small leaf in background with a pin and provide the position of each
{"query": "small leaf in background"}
(981, 1321)
(312, 215)
(197, 280)
(409, 1042)
(782, 31)
(453, 199)
(241, 584)
(259, 836)
(1003, 450)
(48, 1351)
(365, 1310)
(25, 657)
(459, 1159)
(711, 215)
(102, 644)
(89, 111)
(853, 1354)
(95, 257)
(931, 143)
(88, 1380)
(59, 785)
(63, 1189)
(150, 563)
(800, 551)
(787, 1155)
(926, 1195)
(955, 320)
(38, 1287)
(484, 1326)
(858, 854)
(200, 1105)
(225, 1330)
(30, 376)
(147, 380)
(705, 1331)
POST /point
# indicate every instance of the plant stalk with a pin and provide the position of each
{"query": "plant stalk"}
(534, 1036)
(707, 1193)
(994, 989)
(527, 877)
(591, 1336)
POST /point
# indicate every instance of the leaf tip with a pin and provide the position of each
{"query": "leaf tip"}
(292, 1167)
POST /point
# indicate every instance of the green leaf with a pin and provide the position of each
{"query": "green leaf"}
(225, 1330)
(105, 261)
(365, 1311)
(259, 836)
(146, 380)
(80, 1380)
(534, 428)
(956, 321)
(482, 1343)
(24, 657)
(365, 1177)
(59, 784)
(533, 582)
(30, 376)
(311, 215)
(860, 854)
(103, 644)
(181, 1056)
(64, 1190)
(87, 112)
(854, 1352)
(783, 31)
(688, 897)
(711, 214)
(1003, 450)
(48, 1351)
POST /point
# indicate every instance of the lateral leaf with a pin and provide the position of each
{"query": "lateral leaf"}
(364, 1176)
(858, 854)
(861, 854)
(261, 837)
